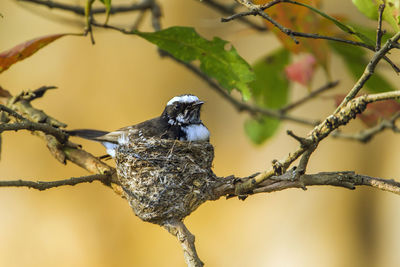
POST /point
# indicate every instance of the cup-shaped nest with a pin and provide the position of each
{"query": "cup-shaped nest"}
(165, 179)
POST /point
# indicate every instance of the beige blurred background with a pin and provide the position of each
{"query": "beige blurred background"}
(121, 81)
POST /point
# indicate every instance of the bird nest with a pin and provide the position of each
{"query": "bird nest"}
(165, 179)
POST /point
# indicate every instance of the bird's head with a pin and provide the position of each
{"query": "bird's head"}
(182, 110)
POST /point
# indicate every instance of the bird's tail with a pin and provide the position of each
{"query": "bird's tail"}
(87, 134)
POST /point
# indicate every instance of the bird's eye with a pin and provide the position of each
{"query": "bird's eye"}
(177, 105)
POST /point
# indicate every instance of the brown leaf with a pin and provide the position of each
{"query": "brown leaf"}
(24, 50)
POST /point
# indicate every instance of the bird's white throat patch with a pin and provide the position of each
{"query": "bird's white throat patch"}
(196, 132)
(183, 99)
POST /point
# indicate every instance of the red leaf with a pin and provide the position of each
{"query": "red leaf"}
(302, 71)
(24, 50)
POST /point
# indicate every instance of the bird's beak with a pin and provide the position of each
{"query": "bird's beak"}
(198, 103)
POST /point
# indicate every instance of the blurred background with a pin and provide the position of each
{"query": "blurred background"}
(121, 80)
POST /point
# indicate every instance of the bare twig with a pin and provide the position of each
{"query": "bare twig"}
(311, 95)
(282, 28)
(227, 9)
(379, 32)
(12, 113)
(42, 185)
(32, 95)
(155, 15)
(366, 135)
(79, 10)
(61, 136)
(179, 230)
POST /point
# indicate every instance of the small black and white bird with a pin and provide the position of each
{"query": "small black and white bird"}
(180, 120)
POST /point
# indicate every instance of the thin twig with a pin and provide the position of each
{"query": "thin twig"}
(61, 136)
(32, 95)
(79, 10)
(155, 15)
(12, 113)
(311, 95)
(379, 32)
(282, 28)
(366, 135)
(43, 185)
(229, 10)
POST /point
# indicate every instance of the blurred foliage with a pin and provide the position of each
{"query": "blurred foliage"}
(270, 90)
(355, 59)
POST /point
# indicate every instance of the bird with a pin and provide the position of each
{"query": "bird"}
(180, 120)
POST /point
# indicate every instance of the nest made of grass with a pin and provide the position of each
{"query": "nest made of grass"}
(165, 179)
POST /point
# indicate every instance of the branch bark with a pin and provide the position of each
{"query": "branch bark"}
(179, 230)
(79, 10)
(41, 185)
(345, 179)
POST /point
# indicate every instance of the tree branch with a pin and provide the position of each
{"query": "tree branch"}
(41, 185)
(320, 132)
(56, 139)
(366, 135)
(379, 32)
(179, 230)
(347, 179)
(61, 136)
(79, 10)
(225, 9)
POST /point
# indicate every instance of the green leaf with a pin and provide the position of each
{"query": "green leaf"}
(355, 59)
(370, 9)
(270, 89)
(367, 7)
(261, 130)
(225, 65)
(107, 4)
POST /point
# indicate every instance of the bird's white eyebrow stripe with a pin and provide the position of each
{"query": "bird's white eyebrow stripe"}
(183, 99)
